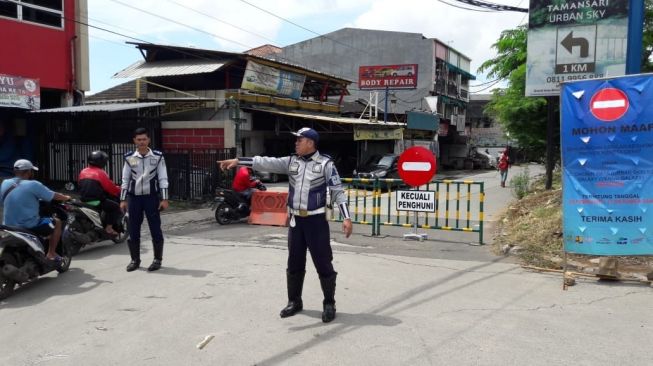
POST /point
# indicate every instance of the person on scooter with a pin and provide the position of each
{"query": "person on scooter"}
(21, 196)
(244, 184)
(95, 185)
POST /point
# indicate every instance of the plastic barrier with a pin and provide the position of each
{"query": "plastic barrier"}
(269, 208)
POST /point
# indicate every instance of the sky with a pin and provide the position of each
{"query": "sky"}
(237, 25)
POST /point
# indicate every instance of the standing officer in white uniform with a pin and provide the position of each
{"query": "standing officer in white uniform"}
(309, 175)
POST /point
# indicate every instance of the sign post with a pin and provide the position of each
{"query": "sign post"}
(417, 166)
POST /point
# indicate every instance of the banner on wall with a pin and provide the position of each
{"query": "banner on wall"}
(19, 92)
(269, 80)
(607, 145)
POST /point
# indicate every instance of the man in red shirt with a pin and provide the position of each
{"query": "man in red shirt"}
(95, 185)
(244, 184)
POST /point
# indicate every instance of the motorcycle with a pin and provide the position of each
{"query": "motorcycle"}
(23, 255)
(230, 205)
(85, 225)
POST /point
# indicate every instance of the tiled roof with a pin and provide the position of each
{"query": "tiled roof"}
(124, 91)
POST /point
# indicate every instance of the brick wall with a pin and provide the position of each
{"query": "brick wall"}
(192, 138)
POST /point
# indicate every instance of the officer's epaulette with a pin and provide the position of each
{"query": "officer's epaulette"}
(323, 157)
(128, 154)
(157, 152)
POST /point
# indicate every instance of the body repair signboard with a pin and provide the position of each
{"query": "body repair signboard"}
(18, 92)
(388, 76)
(574, 40)
(607, 145)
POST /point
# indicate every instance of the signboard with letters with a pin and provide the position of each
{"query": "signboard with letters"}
(269, 80)
(19, 92)
(387, 76)
(607, 142)
(574, 40)
(372, 134)
(418, 201)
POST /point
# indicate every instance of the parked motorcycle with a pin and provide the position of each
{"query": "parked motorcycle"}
(231, 206)
(23, 255)
(86, 226)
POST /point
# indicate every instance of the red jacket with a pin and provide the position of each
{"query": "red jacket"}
(95, 184)
(242, 180)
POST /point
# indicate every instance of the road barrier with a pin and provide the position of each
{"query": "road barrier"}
(458, 205)
(269, 208)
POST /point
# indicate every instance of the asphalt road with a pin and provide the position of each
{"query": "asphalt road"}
(399, 303)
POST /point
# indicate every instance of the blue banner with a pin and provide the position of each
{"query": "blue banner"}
(607, 158)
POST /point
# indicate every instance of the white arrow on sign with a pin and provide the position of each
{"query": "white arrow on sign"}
(416, 166)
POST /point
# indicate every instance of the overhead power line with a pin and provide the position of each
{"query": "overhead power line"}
(465, 8)
(493, 6)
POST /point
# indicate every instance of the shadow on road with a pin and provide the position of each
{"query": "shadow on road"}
(72, 282)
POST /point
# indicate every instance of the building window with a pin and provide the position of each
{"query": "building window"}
(44, 12)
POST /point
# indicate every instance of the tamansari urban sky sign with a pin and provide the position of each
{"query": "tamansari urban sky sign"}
(574, 40)
(607, 144)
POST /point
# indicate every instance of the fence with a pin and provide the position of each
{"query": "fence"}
(192, 174)
(458, 205)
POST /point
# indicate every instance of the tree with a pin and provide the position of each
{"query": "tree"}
(524, 119)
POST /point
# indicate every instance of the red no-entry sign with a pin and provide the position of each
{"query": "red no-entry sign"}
(609, 104)
(416, 166)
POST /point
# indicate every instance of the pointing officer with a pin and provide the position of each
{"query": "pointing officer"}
(144, 189)
(309, 174)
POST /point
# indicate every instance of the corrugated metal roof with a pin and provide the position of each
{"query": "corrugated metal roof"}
(320, 117)
(99, 108)
(168, 68)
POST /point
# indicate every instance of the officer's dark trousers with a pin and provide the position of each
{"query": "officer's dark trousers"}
(137, 206)
(310, 233)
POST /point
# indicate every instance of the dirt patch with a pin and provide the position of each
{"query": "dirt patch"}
(531, 229)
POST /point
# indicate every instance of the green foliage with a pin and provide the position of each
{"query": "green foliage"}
(647, 37)
(521, 184)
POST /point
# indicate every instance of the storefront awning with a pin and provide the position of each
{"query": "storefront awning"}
(112, 107)
(168, 68)
(318, 117)
(460, 71)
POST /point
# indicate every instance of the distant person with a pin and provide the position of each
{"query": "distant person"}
(504, 165)
(244, 184)
(95, 185)
(144, 190)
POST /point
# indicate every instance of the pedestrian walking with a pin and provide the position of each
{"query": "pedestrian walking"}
(144, 192)
(309, 175)
(504, 165)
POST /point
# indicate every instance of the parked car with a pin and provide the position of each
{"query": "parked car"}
(378, 166)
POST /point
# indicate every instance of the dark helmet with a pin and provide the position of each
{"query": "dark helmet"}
(98, 158)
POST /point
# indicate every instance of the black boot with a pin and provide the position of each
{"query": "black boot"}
(295, 283)
(329, 304)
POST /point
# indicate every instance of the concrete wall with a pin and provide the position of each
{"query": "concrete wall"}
(331, 54)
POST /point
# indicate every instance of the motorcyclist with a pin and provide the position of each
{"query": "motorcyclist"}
(245, 184)
(21, 197)
(95, 185)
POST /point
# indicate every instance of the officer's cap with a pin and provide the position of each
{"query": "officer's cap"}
(308, 133)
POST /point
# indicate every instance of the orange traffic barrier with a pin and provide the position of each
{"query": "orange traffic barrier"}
(269, 208)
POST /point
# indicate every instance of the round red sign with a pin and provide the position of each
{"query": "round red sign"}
(416, 166)
(609, 104)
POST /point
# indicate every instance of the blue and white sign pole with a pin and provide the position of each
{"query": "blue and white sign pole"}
(635, 30)
(607, 150)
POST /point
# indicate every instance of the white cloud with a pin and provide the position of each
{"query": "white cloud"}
(469, 32)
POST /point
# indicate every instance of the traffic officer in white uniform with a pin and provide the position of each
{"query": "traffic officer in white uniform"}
(144, 189)
(309, 175)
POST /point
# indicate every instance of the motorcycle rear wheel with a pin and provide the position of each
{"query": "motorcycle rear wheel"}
(222, 215)
(6, 288)
(124, 235)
